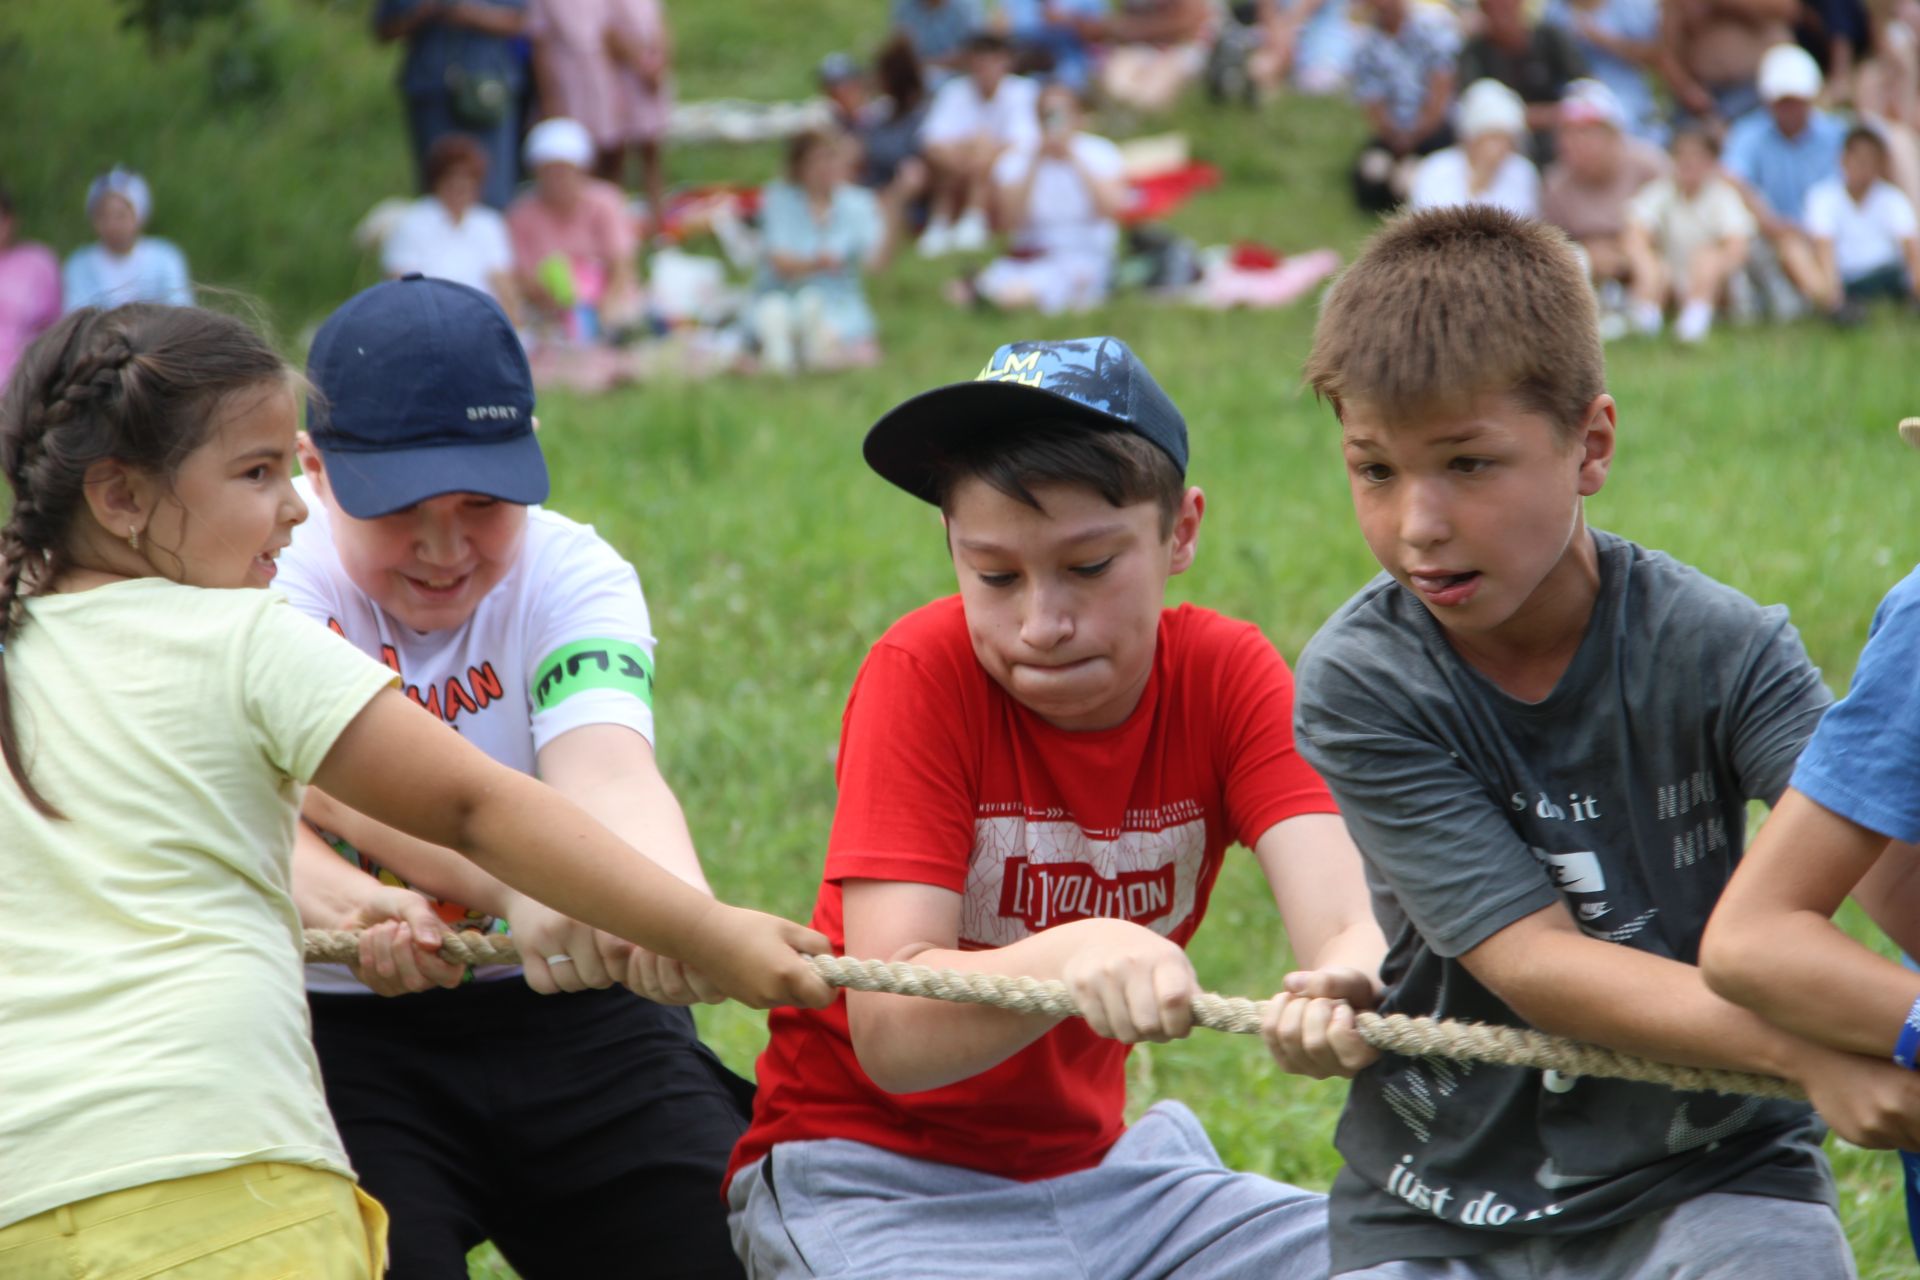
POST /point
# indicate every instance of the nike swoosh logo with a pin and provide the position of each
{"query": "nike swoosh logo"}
(1553, 1181)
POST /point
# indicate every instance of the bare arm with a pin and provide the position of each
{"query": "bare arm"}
(397, 764)
(1433, 113)
(1315, 875)
(1773, 946)
(1910, 248)
(1563, 982)
(1132, 983)
(1011, 200)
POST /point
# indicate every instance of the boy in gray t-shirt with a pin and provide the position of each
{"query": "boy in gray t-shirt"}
(1544, 739)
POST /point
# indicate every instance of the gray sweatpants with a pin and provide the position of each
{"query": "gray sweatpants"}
(1710, 1237)
(1159, 1204)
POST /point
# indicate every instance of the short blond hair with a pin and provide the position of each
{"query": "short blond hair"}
(1446, 305)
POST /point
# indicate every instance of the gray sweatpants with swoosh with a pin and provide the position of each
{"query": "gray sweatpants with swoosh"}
(1159, 1204)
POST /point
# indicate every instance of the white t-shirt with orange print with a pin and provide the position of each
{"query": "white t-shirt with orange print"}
(563, 641)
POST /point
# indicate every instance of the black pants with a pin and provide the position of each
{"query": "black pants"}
(585, 1135)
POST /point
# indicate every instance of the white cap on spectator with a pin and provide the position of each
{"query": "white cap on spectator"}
(126, 184)
(1788, 71)
(1488, 106)
(1591, 102)
(560, 141)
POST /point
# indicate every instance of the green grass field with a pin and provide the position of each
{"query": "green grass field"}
(772, 558)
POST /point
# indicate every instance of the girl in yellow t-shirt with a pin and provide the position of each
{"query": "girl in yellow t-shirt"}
(160, 1105)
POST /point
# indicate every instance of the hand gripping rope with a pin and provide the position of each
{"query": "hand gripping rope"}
(1390, 1033)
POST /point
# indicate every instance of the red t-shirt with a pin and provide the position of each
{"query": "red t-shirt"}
(946, 780)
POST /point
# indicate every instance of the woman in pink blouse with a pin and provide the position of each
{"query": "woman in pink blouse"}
(606, 63)
(29, 290)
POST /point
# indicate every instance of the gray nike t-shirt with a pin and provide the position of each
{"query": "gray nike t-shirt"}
(1623, 794)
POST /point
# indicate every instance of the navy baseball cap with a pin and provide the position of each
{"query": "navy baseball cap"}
(1094, 380)
(423, 389)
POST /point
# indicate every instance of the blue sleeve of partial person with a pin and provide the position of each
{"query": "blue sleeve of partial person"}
(1864, 760)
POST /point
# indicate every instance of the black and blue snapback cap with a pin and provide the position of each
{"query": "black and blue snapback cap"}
(1099, 381)
(423, 390)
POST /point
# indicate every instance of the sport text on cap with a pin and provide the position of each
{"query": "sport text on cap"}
(422, 389)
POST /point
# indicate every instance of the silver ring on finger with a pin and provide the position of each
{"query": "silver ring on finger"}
(561, 959)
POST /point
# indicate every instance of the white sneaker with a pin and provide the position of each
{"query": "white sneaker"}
(1647, 319)
(1695, 322)
(937, 240)
(970, 234)
(1613, 326)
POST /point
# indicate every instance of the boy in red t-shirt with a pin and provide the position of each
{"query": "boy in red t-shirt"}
(1040, 776)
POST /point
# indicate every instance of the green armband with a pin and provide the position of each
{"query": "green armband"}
(592, 664)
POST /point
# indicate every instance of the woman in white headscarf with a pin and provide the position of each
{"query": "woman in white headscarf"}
(123, 265)
(1489, 164)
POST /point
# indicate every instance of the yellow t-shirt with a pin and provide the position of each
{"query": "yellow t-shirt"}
(152, 1020)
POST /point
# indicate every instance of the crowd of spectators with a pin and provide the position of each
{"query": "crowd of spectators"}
(1752, 158)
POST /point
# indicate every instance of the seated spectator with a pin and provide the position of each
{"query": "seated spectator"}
(574, 241)
(1155, 48)
(606, 64)
(1052, 36)
(1621, 43)
(1403, 80)
(844, 85)
(1687, 236)
(819, 232)
(1535, 60)
(1487, 165)
(973, 119)
(448, 233)
(887, 130)
(1863, 232)
(123, 266)
(1598, 170)
(939, 31)
(1057, 197)
(1714, 49)
(29, 289)
(1308, 43)
(1779, 154)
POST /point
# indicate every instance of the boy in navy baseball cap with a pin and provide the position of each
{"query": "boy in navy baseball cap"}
(530, 635)
(1040, 776)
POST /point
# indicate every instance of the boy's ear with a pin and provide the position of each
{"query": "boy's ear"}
(120, 498)
(312, 465)
(1595, 442)
(1186, 529)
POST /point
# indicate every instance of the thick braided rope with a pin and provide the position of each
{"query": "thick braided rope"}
(1390, 1033)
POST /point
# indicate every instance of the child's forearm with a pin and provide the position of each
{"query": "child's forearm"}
(1812, 979)
(906, 1044)
(1568, 984)
(327, 890)
(445, 873)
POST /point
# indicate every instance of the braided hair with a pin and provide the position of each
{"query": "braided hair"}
(140, 384)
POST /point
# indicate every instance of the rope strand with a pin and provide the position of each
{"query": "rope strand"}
(1390, 1033)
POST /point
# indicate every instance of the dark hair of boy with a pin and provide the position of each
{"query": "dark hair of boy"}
(1862, 135)
(1695, 135)
(454, 151)
(1121, 467)
(138, 383)
(805, 143)
(985, 42)
(1446, 305)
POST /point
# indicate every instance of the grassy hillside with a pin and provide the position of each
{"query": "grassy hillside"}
(772, 558)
